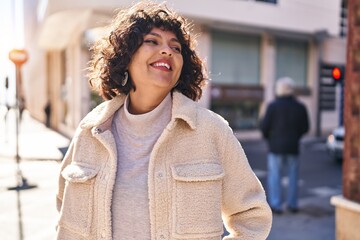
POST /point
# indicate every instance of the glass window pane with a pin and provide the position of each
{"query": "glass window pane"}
(241, 115)
(235, 58)
(291, 60)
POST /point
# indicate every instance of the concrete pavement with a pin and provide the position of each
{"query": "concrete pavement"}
(32, 212)
(314, 221)
(28, 214)
(36, 142)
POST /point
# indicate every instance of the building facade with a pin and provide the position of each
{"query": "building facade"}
(247, 46)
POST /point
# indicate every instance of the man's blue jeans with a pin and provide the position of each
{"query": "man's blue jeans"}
(275, 164)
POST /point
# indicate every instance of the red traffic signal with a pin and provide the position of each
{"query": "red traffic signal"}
(332, 74)
(336, 73)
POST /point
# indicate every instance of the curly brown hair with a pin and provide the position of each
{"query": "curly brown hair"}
(112, 54)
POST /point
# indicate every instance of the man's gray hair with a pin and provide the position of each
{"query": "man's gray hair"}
(284, 87)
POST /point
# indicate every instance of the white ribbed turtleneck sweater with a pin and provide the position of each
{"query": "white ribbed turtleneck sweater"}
(135, 137)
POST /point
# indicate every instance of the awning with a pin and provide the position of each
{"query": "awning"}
(63, 28)
(94, 34)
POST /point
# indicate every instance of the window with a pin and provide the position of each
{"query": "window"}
(240, 115)
(235, 58)
(343, 18)
(268, 1)
(291, 60)
(235, 74)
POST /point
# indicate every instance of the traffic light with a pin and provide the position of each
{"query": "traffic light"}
(338, 74)
(331, 74)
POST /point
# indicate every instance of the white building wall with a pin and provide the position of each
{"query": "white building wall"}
(34, 70)
(334, 50)
(203, 38)
(268, 59)
(306, 16)
(313, 78)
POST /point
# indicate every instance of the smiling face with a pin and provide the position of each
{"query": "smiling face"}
(156, 65)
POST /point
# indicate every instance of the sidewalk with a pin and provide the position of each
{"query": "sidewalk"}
(36, 141)
(32, 212)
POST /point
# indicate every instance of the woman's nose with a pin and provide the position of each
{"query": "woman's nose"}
(166, 51)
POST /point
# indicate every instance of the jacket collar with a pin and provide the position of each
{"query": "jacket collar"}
(182, 108)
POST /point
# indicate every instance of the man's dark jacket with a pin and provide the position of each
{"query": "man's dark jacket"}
(285, 121)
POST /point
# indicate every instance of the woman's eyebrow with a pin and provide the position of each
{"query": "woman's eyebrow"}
(158, 35)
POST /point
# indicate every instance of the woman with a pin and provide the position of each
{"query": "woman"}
(150, 163)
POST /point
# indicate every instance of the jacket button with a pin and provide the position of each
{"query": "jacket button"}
(160, 174)
(103, 234)
(97, 130)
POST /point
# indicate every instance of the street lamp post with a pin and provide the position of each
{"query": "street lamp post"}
(19, 57)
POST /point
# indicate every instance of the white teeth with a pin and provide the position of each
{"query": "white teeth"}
(161, 64)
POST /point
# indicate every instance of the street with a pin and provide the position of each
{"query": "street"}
(319, 174)
(320, 178)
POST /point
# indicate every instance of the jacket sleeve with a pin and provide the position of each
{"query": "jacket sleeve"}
(246, 213)
(61, 182)
(305, 121)
(265, 123)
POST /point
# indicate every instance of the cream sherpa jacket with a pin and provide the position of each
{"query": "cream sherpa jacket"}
(198, 176)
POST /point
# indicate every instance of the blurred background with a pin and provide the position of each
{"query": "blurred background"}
(247, 44)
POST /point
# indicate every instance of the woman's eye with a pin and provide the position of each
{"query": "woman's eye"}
(176, 49)
(151, 41)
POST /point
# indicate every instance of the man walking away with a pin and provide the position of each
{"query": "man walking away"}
(284, 123)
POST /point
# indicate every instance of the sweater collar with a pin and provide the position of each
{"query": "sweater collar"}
(183, 108)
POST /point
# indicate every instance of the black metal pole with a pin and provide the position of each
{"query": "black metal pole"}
(17, 113)
(318, 112)
(22, 182)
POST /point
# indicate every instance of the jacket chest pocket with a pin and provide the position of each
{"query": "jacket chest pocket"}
(77, 206)
(197, 195)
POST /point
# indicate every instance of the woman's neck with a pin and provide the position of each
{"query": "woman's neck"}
(140, 103)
